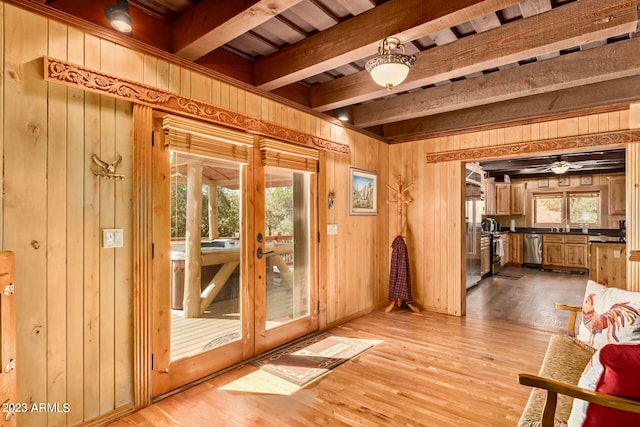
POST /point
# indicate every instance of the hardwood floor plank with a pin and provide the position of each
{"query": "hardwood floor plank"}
(428, 369)
(424, 369)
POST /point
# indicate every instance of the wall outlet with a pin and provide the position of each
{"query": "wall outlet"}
(332, 229)
(112, 238)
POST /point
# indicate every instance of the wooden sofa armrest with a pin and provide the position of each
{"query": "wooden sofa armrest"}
(571, 323)
(554, 387)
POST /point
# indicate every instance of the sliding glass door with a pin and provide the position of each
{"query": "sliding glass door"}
(233, 257)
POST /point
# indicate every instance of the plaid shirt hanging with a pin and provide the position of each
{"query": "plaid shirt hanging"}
(399, 278)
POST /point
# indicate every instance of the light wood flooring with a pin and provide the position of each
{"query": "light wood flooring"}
(426, 369)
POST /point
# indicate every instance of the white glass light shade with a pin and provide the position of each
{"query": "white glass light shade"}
(389, 74)
(391, 66)
(560, 169)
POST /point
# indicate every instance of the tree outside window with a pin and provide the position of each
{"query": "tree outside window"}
(584, 208)
(548, 209)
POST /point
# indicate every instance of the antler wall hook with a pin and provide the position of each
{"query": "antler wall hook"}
(107, 170)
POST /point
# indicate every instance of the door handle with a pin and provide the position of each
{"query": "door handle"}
(260, 253)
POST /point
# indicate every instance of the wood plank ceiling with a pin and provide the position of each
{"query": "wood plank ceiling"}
(479, 62)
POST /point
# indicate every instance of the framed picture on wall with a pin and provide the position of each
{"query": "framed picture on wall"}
(363, 192)
(586, 180)
(543, 182)
(563, 181)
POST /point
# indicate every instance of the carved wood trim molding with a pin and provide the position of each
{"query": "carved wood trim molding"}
(634, 256)
(555, 144)
(66, 73)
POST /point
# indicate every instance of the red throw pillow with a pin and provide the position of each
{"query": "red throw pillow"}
(621, 363)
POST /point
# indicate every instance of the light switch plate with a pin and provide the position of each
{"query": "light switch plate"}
(332, 229)
(616, 253)
(112, 238)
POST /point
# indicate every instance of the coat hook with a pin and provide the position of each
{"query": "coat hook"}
(107, 170)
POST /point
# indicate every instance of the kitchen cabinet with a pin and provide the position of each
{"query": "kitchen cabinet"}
(608, 264)
(565, 251)
(503, 198)
(516, 255)
(505, 246)
(517, 198)
(617, 195)
(490, 196)
(485, 255)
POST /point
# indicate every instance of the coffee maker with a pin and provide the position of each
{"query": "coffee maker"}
(623, 230)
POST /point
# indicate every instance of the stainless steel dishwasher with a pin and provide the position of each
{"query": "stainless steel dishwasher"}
(532, 249)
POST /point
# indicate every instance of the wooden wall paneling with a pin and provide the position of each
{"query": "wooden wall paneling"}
(185, 82)
(633, 211)
(456, 303)
(175, 77)
(106, 211)
(252, 105)
(127, 63)
(150, 71)
(233, 98)
(432, 235)
(25, 189)
(215, 92)
(91, 256)
(162, 80)
(201, 87)
(323, 245)
(2, 86)
(75, 236)
(416, 219)
(123, 267)
(56, 232)
(225, 98)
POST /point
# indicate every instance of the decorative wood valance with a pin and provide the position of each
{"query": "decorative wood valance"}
(63, 72)
(276, 153)
(205, 139)
(545, 145)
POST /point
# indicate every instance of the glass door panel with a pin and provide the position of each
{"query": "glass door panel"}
(289, 309)
(205, 255)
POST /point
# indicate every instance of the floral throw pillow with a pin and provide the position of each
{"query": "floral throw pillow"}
(609, 316)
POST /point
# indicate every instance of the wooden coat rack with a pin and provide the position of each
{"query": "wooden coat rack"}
(401, 199)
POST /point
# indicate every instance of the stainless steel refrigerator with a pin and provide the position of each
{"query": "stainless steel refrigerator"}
(474, 209)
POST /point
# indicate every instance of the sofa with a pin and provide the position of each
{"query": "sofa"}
(590, 375)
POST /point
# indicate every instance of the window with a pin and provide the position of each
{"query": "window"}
(548, 208)
(584, 208)
(551, 209)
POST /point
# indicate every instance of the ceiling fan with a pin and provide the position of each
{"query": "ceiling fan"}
(561, 166)
(558, 167)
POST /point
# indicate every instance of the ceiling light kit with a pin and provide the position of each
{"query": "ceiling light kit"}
(559, 169)
(391, 66)
(118, 16)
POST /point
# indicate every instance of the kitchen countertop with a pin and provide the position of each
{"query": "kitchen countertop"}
(605, 236)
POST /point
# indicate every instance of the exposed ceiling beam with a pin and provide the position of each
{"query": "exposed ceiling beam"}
(589, 99)
(561, 28)
(358, 37)
(212, 23)
(607, 62)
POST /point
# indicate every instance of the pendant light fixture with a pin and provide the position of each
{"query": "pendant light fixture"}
(118, 16)
(391, 66)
